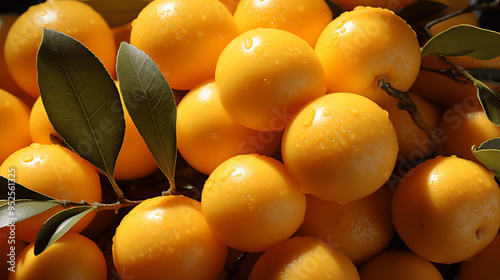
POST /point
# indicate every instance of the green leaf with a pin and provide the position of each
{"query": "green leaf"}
(421, 11)
(57, 225)
(81, 99)
(490, 101)
(151, 105)
(487, 75)
(17, 211)
(467, 40)
(489, 154)
(12, 189)
(117, 12)
(335, 8)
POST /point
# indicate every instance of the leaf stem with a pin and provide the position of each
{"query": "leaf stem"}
(101, 206)
(405, 103)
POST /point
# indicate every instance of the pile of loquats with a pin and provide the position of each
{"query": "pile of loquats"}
(293, 162)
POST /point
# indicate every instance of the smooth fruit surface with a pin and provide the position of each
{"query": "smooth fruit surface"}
(484, 265)
(6, 81)
(73, 256)
(365, 45)
(251, 203)
(340, 147)
(167, 236)
(207, 135)
(447, 209)
(40, 127)
(303, 258)
(14, 124)
(184, 38)
(396, 265)
(304, 18)
(361, 228)
(73, 18)
(54, 171)
(390, 4)
(278, 73)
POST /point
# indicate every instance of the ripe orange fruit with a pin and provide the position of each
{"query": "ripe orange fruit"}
(304, 18)
(6, 81)
(14, 127)
(414, 143)
(40, 127)
(340, 147)
(72, 256)
(365, 45)
(464, 125)
(278, 73)
(361, 228)
(54, 171)
(73, 18)
(184, 38)
(446, 209)
(396, 265)
(167, 236)
(303, 258)
(484, 265)
(205, 140)
(230, 4)
(251, 203)
(10, 248)
(393, 5)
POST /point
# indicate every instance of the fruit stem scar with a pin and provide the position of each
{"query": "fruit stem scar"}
(405, 103)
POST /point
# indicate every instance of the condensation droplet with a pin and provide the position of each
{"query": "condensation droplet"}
(308, 118)
(248, 43)
(36, 145)
(327, 112)
(27, 158)
(258, 49)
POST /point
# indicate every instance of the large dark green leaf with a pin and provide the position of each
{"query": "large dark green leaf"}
(117, 12)
(489, 154)
(421, 11)
(490, 100)
(150, 103)
(16, 211)
(467, 40)
(81, 99)
(10, 189)
(487, 75)
(57, 225)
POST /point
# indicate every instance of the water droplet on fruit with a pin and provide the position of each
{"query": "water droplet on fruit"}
(203, 17)
(354, 110)
(339, 24)
(27, 158)
(36, 145)
(258, 49)
(327, 112)
(308, 118)
(342, 30)
(248, 43)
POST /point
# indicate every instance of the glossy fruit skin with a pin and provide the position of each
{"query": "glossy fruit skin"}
(167, 235)
(10, 248)
(361, 229)
(40, 127)
(207, 135)
(394, 265)
(304, 18)
(14, 126)
(365, 45)
(303, 258)
(6, 81)
(54, 171)
(393, 5)
(464, 125)
(184, 38)
(278, 73)
(73, 18)
(340, 147)
(484, 265)
(414, 144)
(447, 209)
(251, 203)
(73, 256)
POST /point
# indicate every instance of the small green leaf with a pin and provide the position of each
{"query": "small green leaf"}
(487, 75)
(57, 225)
(19, 210)
(489, 154)
(334, 8)
(467, 40)
(117, 12)
(490, 101)
(151, 105)
(421, 11)
(10, 189)
(81, 99)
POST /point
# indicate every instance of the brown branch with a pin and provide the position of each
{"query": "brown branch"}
(405, 103)
(101, 206)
